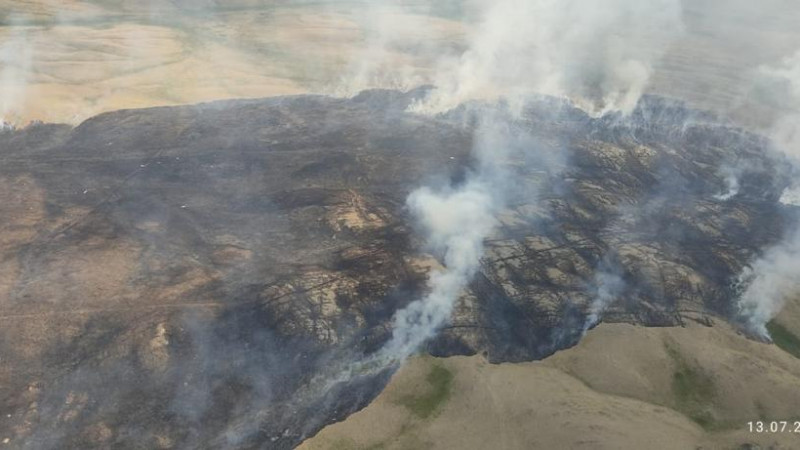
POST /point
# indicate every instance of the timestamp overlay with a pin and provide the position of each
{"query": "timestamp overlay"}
(774, 426)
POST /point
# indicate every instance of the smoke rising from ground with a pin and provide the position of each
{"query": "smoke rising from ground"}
(599, 55)
(731, 177)
(774, 276)
(768, 281)
(781, 82)
(608, 285)
(397, 46)
(456, 222)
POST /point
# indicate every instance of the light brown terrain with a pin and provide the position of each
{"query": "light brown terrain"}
(67, 61)
(617, 389)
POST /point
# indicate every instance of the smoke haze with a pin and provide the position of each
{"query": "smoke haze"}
(772, 277)
(488, 58)
(456, 222)
(601, 56)
(767, 282)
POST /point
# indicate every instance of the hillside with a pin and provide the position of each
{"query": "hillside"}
(621, 387)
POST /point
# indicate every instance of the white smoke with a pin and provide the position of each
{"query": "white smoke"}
(608, 287)
(769, 280)
(380, 63)
(774, 276)
(779, 86)
(731, 183)
(402, 45)
(598, 54)
(456, 222)
(16, 56)
(791, 196)
(785, 80)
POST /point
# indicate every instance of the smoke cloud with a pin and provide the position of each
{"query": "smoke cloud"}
(456, 222)
(784, 79)
(770, 279)
(731, 177)
(767, 282)
(781, 85)
(599, 55)
(398, 49)
(777, 86)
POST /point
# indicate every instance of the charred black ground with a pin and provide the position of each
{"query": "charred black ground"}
(175, 276)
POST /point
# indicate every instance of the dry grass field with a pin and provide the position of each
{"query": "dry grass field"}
(622, 387)
(66, 61)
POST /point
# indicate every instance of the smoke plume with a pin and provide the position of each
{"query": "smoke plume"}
(608, 285)
(599, 55)
(781, 83)
(770, 279)
(456, 222)
(397, 51)
(784, 79)
(731, 178)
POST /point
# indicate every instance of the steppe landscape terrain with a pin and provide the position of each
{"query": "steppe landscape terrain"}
(180, 276)
(621, 387)
(81, 58)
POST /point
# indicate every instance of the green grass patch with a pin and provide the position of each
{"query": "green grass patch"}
(692, 386)
(428, 402)
(784, 339)
(694, 390)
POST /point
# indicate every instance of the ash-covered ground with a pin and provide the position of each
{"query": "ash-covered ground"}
(177, 277)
